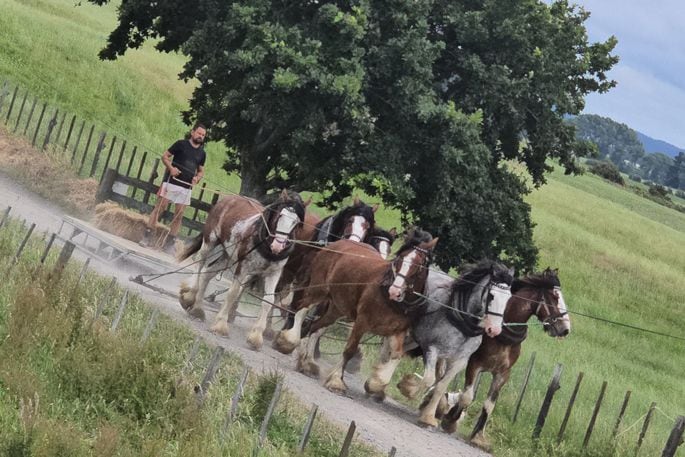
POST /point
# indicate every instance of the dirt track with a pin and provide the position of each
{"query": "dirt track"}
(381, 425)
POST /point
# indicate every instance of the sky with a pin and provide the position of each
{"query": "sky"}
(650, 95)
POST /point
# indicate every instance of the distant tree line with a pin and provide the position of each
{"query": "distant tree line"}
(620, 145)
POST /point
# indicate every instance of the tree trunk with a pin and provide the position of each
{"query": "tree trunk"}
(253, 171)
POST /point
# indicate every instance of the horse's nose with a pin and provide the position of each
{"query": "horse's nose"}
(564, 332)
(492, 331)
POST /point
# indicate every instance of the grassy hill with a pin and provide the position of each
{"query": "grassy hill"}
(621, 257)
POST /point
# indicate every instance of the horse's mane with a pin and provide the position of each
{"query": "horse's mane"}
(413, 239)
(474, 273)
(293, 200)
(377, 232)
(358, 209)
(545, 280)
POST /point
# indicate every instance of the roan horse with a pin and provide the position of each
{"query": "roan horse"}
(457, 313)
(357, 283)
(252, 243)
(537, 294)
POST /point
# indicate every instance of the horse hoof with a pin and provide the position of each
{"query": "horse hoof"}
(283, 345)
(409, 386)
(429, 423)
(448, 426)
(375, 394)
(269, 334)
(308, 367)
(197, 313)
(220, 328)
(255, 340)
(481, 442)
(337, 389)
(354, 366)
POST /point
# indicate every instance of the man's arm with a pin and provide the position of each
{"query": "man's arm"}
(200, 173)
(166, 159)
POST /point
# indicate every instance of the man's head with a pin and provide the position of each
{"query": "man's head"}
(198, 133)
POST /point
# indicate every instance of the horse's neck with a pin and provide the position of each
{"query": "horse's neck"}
(475, 302)
(438, 287)
(519, 309)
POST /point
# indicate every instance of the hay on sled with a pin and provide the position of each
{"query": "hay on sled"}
(127, 224)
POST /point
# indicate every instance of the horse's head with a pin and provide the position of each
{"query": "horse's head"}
(354, 221)
(410, 266)
(551, 308)
(381, 240)
(282, 217)
(498, 294)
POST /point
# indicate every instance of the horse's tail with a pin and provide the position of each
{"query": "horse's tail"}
(191, 248)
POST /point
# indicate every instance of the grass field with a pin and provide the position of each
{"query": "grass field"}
(621, 257)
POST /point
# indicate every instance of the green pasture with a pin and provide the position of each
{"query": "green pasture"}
(621, 257)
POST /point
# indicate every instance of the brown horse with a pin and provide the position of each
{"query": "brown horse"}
(357, 283)
(537, 294)
(252, 243)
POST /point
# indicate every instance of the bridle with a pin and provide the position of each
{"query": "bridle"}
(486, 290)
(407, 286)
(286, 242)
(551, 319)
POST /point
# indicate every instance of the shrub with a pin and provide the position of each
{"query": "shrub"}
(608, 171)
(635, 178)
(659, 191)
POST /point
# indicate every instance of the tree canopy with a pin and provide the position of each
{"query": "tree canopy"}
(419, 102)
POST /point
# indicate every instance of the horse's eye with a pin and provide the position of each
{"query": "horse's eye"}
(490, 297)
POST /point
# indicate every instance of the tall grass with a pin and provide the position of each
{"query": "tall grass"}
(71, 387)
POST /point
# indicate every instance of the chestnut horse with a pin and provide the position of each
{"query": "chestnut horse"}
(252, 243)
(357, 283)
(536, 294)
(458, 312)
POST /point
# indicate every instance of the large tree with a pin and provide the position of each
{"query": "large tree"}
(421, 102)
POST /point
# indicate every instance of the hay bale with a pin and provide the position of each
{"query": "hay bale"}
(112, 218)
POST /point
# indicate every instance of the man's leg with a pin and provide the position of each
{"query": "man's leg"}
(178, 219)
(160, 207)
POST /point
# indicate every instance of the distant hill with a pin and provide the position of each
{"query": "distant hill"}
(651, 145)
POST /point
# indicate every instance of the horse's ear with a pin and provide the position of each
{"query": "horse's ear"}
(512, 272)
(284, 194)
(308, 202)
(375, 207)
(356, 201)
(393, 232)
(430, 244)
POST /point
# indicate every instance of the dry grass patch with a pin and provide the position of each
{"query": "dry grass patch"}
(47, 173)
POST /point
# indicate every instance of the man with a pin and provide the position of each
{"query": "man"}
(185, 167)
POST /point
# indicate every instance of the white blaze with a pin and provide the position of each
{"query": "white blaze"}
(287, 220)
(500, 295)
(358, 230)
(384, 249)
(562, 309)
(398, 284)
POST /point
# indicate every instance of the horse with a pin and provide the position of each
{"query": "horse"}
(250, 241)
(353, 222)
(457, 313)
(535, 294)
(376, 294)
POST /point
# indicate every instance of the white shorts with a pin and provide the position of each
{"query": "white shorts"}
(174, 193)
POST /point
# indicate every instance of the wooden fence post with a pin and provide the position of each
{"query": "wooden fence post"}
(307, 429)
(621, 413)
(120, 312)
(235, 399)
(47, 248)
(150, 324)
(64, 256)
(591, 426)
(105, 187)
(59, 129)
(212, 368)
(140, 172)
(51, 126)
(98, 151)
(393, 451)
(21, 246)
(28, 121)
(345, 450)
(71, 129)
(121, 156)
(645, 426)
(569, 408)
(133, 158)
(85, 150)
(83, 272)
(5, 216)
(151, 180)
(109, 157)
(21, 110)
(269, 412)
(78, 140)
(675, 439)
(9, 111)
(40, 122)
(3, 94)
(551, 390)
(197, 210)
(524, 386)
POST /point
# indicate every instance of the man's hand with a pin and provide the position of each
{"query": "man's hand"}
(174, 171)
(195, 180)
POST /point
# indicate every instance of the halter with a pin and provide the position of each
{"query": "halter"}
(409, 287)
(285, 242)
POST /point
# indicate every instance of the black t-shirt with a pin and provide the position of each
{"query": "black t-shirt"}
(187, 159)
